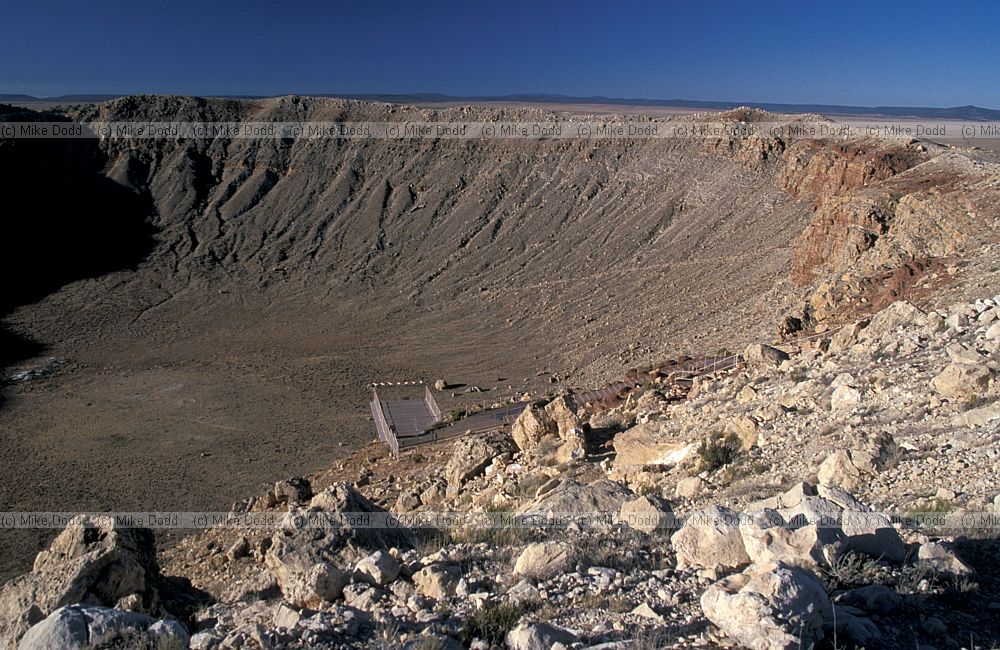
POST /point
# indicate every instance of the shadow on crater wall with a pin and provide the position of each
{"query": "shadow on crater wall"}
(63, 220)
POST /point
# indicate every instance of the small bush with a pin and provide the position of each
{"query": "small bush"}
(499, 529)
(491, 624)
(718, 451)
(852, 569)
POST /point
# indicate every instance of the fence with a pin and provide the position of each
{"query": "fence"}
(385, 432)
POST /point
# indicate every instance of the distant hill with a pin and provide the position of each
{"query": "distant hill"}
(973, 113)
(954, 113)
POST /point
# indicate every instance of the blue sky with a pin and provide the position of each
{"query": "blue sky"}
(862, 53)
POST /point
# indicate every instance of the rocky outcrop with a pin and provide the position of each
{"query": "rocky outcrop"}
(473, 454)
(758, 355)
(305, 569)
(92, 561)
(531, 427)
(306, 555)
(437, 581)
(558, 424)
(571, 498)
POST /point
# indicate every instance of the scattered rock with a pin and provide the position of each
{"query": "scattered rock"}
(689, 487)
(645, 611)
(845, 397)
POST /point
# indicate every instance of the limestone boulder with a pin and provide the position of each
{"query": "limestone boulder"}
(538, 636)
(438, 581)
(807, 529)
(844, 398)
(531, 428)
(304, 571)
(649, 444)
(962, 380)
(561, 411)
(648, 514)
(378, 569)
(689, 487)
(710, 539)
(744, 428)
(886, 324)
(543, 560)
(768, 538)
(87, 626)
(865, 456)
(770, 607)
(583, 501)
(354, 520)
(993, 333)
(759, 355)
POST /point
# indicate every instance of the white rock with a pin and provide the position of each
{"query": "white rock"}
(845, 397)
(962, 380)
(993, 333)
(941, 558)
(437, 581)
(543, 560)
(647, 514)
(769, 607)
(710, 539)
(86, 626)
(689, 488)
(538, 636)
(378, 569)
